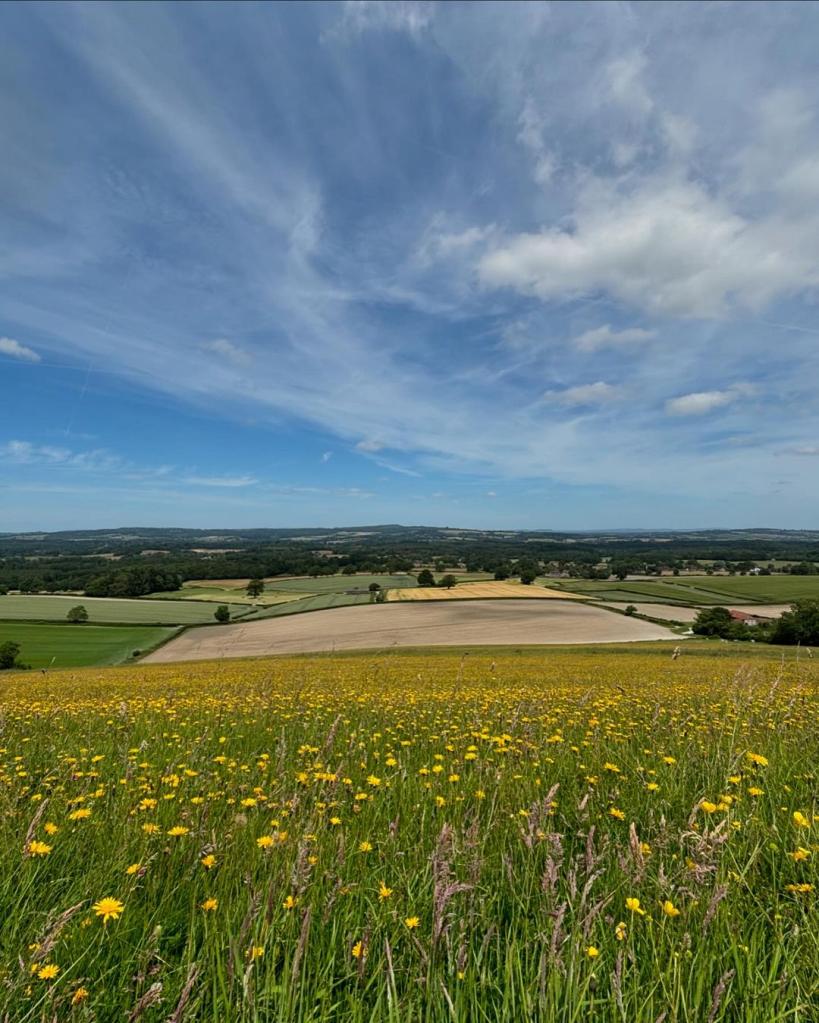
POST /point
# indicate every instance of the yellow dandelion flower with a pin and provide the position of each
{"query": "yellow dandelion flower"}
(48, 972)
(79, 995)
(383, 891)
(208, 861)
(209, 905)
(411, 922)
(35, 848)
(592, 952)
(108, 909)
(134, 868)
(365, 846)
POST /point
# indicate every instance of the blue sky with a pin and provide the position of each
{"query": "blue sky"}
(533, 265)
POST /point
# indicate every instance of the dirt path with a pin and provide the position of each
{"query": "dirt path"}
(474, 623)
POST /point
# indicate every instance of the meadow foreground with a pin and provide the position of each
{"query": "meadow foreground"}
(561, 836)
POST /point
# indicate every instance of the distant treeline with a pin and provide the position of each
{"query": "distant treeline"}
(121, 564)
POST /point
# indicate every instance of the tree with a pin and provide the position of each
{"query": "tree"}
(502, 572)
(374, 587)
(630, 610)
(799, 625)
(222, 613)
(528, 575)
(77, 614)
(448, 582)
(426, 578)
(8, 655)
(717, 621)
(255, 588)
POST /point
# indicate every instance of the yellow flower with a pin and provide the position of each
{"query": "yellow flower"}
(134, 868)
(411, 922)
(177, 831)
(48, 972)
(79, 995)
(256, 951)
(150, 829)
(652, 786)
(365, 846)
(372, 780)
(208, 861)
(209, 905)
(383, 891)
(620, 931)
(592, 952)
(801, 888)
(440, 801)
(800, 854)
(633, 905)
(108, 909)
(618, 814)
(50, 829)
(358, 951)
(669, 908)
(708, 807)
(265, 841)
(757, 758)
(289, 902)
(755, 791)
(800, 820)
(36, 848)
(80, 815)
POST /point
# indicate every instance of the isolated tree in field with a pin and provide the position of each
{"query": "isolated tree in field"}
(8, 655)
(222, 613)
(77, 614)
(374, 587)
(426, 578)
(502, 572)
(528, 575)
(448, 582)
(630, 610)
(255, 588)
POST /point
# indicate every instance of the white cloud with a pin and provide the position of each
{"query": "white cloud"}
(699, 403)
(230, 351)
(390, 15)
(220, 481)
(12, 348)
(327, 456)
(804, 450)
(491, 493)
(584, 394)
(668, 247)
(23, 452)
(369, 445)
(605, 337)
(625, 80)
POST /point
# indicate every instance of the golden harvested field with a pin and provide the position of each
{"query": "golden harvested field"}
(431, 623)
(566, 837)
(484, 590)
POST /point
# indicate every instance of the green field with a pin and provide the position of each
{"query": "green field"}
(27, 607)
(341, 583)
(702, 589)
(233, 596)
(76, 646)
(314, 602)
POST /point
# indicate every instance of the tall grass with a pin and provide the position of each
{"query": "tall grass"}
(512, 806)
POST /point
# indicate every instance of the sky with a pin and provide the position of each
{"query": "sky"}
(488, 265)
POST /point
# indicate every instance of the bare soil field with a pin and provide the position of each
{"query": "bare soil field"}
(482, 591)
(368, 626)
(673, 613)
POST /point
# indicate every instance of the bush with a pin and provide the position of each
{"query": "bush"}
(630, 610)
(8, 656)
(222, 613)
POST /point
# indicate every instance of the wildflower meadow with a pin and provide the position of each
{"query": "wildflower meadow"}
(567, 836)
